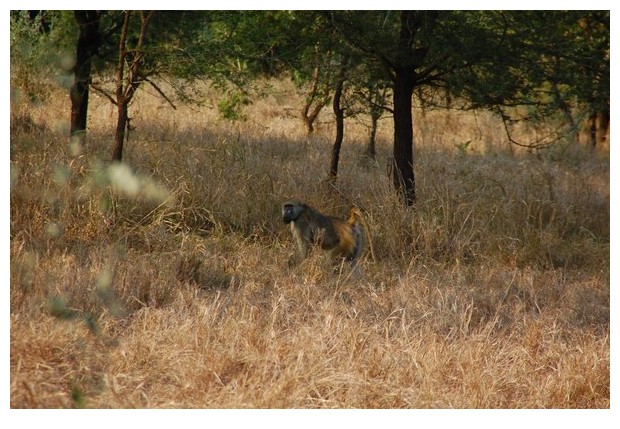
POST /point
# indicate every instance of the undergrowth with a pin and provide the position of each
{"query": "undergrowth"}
(168, 281)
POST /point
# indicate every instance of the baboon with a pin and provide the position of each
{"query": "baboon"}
(310, 227)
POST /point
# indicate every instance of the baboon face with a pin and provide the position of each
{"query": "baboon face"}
(289, 212)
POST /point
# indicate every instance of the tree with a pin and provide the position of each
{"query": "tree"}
(401, 48)
(302, 44)
(542, 66)
(155, 44)
(127, 81)
(503, 61)
(312, 57)
(374, 93)
(584, 76)
(41, 42)
(339, 115)
(88, 43)
(319, 93)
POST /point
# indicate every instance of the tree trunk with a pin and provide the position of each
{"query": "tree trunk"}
(119, 136)
(121, 98)
(404, 78)
(592, 130)
(307, 115)
(371, 150)
(598, 128)
(339, 114)
(377, 94)
(603, 127)
(88, 43)
(404, 180)
(308, 122)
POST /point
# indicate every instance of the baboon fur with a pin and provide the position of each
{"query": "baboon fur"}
(310, 227)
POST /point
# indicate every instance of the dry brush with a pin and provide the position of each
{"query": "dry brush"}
(165, 282)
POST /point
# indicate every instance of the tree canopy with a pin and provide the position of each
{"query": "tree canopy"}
(524, 65)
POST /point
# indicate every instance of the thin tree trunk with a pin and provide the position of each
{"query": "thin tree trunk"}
(121, 101)
(404, 180)
(371, 150)
(88, 43)
(592, 130)
(376, 100)
(308, 121)
(603, 127)
(598, 128)
(121, 126)
(339, 114)
(319, 91)
(310, 116)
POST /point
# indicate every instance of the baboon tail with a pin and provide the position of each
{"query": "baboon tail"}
(357, 221)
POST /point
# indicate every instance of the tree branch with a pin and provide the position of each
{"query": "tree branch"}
(120, 70)
(103, 92)
(160, 92)
(537, 144)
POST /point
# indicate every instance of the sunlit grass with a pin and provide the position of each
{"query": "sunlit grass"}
(167, 281)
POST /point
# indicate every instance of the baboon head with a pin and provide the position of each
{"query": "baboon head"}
(291, 211)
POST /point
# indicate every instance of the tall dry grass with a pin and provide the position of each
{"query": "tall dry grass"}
(167, 282)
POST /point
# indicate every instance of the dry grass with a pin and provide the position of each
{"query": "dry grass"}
(169, 285)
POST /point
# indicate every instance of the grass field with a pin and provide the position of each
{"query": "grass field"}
(168, 282)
